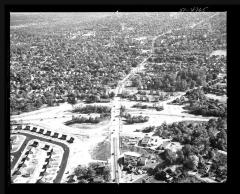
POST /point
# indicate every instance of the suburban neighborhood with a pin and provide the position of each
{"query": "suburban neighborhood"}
(126, 97)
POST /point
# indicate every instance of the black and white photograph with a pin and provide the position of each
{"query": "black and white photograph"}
(118, 97)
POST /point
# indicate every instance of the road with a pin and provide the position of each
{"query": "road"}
(115, 124)
(114, 138)
(64, 158)
(170, 31)
(115, 114)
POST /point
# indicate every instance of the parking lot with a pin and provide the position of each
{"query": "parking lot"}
(39, 160)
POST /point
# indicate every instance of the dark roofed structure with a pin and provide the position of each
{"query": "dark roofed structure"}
(19, 127)
(41, 131)
(48, 133)
(34, 129)
(71, 140)
(27, 128)
(35, 144)
(46, 147)
(64, 137)
(55, 135)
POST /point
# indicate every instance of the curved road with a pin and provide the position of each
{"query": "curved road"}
(64, 158)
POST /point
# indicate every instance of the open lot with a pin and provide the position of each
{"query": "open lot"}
(87, 136)
(170, 114)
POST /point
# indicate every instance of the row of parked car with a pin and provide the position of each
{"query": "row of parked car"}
(43, 132)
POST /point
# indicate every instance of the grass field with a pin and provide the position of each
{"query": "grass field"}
(102, 151)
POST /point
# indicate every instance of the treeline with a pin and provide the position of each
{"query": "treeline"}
(92, 109)
(171, 82)
(208, 108)
(201, 105)
(82, 119)
(187, 161)
(200, 152)
(94, 173)
(202, 136)
(129, 119)
(29, 103)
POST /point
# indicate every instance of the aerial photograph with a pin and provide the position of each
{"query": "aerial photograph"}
(118, 97)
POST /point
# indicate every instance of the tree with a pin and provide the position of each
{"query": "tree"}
(150, 171)
(192, 84)
(28, 107)
(111, 95)
(160, 175)
(183, 85)
(38, 103)
(50, 101)
(80, 172)
(180, 156)
(143, 181)
(90, 173)
(136, 81)
(169, 156)
(71, 99)
(187, 150)
(106, 173)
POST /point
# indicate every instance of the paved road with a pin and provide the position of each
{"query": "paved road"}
(115, 114)
(64, 158)
(191, 27)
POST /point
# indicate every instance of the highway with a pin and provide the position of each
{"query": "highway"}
(115, 114)
(115, 124)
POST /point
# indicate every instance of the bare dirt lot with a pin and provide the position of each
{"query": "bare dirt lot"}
(170, 114)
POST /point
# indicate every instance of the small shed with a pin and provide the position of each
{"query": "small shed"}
(63, 137)
(48, 133)
(41, 131)
(34, 129)
(71, 140)
(19, 127)
(35, 144)
(46, 147)
(55, 135)
(27, 128)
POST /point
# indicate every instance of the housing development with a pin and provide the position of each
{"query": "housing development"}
(118, 97)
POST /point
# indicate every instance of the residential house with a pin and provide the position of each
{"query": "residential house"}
(145, 141)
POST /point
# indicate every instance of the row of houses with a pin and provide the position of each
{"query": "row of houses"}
(43, 132)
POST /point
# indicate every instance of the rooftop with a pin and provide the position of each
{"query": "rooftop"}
(134, 154)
